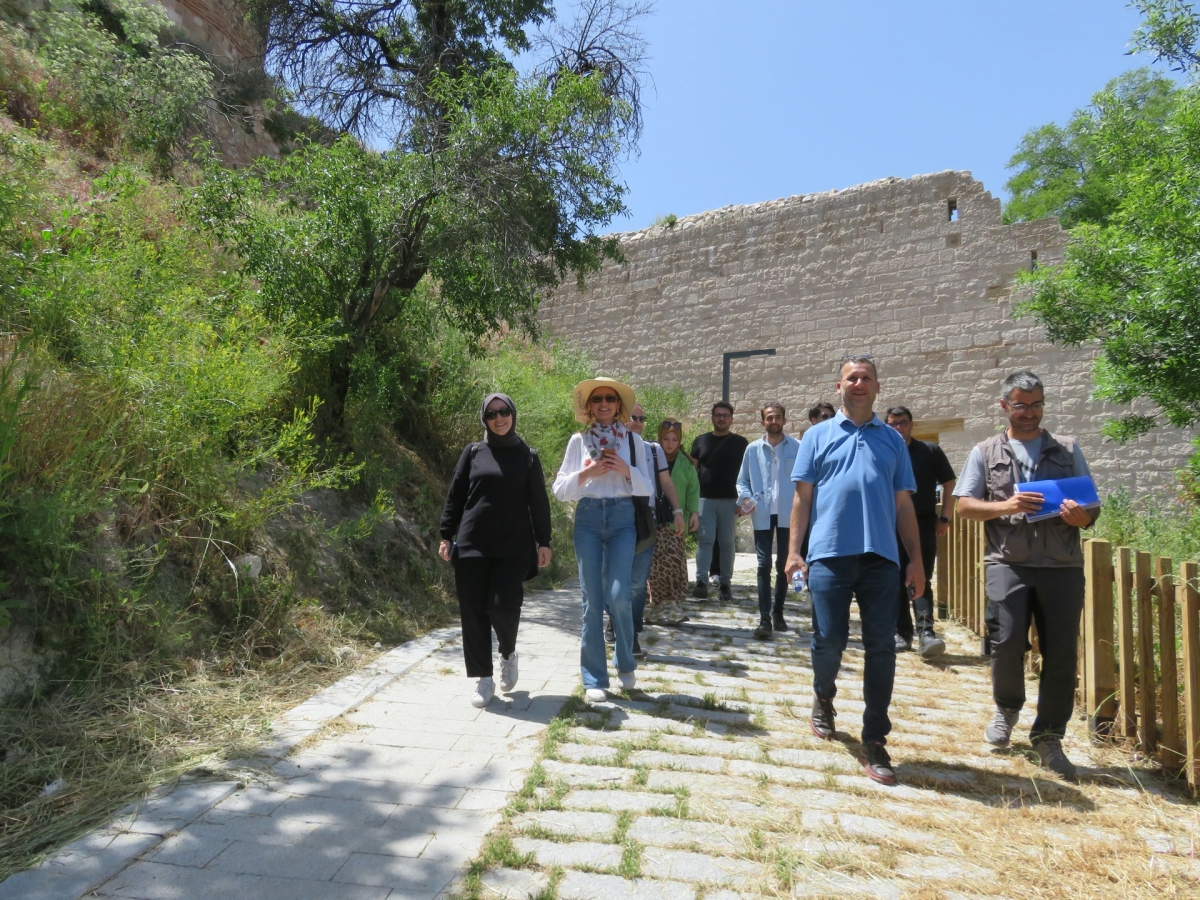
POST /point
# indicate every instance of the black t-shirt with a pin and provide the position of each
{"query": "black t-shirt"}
(931, 468)
(718, 461)
(497, 504)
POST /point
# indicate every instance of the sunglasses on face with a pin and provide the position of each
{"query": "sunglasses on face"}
(603, 398)
(503, 412)
(638, 418)
(667, 423)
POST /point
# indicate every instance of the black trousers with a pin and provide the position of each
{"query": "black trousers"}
(922, 605)
(1052, 598)
(762, 547)
(490, 593)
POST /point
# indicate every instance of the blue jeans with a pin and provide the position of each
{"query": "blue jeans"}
(875, 581)
(718, 519)
(605, 536)
(762, 546)
(638, 586)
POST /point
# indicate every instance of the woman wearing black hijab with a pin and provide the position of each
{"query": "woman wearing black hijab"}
(496, 531)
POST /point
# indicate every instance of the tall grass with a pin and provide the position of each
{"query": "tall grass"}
(1168, 527)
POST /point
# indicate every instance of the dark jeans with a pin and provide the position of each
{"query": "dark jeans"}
(490, 592)
(922, 605)
(872, 579)
(762, 546)
(1053, 598)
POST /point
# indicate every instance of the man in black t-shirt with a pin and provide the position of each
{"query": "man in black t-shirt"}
(931, 469)
(718, 457)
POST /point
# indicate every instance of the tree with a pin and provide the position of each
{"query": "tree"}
(1170, 31)
(495, 185)
(1132, 283)
(1062, 171)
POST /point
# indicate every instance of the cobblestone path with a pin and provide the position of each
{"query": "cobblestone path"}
(707, 784)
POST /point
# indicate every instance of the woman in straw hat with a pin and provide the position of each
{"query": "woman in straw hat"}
(604, 468)
(498, 514)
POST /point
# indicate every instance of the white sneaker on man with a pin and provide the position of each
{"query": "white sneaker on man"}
(484, 691)
(628, 680)
(595, 695)
(508, 672)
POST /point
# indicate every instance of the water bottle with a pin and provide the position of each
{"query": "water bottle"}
(798, 582)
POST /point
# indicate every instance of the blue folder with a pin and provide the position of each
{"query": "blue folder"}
(1081, 489)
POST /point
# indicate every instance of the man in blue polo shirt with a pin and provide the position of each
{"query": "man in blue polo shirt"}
(855, 481)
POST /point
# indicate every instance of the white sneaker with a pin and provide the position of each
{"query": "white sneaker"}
(484, 691)
(595, 695)
(628, 680)
(508, 672)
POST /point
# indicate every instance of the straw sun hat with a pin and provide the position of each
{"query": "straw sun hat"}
(585, 389)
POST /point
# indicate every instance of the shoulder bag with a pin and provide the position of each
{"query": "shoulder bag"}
(643, 517)
(663, 514)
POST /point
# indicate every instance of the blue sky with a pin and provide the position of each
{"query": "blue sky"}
(760, 99)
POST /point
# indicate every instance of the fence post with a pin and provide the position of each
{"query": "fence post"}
(981, 587)
(1169, 751)
(957, 589)
(941, 609)
(1189, 600)
(1098, 638)
(1142, 581)
(1128, 705)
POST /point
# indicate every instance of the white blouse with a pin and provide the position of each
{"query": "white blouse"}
(608, 485)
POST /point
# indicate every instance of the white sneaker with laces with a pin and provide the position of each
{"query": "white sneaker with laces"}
(484, 691)
(628, 680)
(508, 672)
(595, 695)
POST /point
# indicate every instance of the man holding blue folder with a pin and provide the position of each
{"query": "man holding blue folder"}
(1034, 569)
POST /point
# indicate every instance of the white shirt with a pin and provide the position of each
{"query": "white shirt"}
(775, 473)
(608, 485)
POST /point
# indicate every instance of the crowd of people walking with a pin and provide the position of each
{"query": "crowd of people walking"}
(851, 509)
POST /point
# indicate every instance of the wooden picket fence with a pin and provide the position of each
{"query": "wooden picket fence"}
(1139, 649)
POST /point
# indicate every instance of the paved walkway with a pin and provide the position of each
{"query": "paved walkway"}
(705, 784)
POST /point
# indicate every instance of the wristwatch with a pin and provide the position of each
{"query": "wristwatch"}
(943, 520)
(677, 512)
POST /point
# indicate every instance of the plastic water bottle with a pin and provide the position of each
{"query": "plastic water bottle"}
(798, 582)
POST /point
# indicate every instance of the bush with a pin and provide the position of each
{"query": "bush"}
(1169, 529)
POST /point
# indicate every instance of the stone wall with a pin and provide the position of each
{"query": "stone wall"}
(917, 272)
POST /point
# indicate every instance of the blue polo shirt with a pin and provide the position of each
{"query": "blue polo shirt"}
(855, 473)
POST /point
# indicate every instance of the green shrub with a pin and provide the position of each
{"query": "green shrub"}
(1169, 529)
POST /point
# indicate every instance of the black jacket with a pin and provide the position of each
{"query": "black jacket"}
(497, 504)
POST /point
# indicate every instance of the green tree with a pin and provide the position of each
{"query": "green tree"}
(1132, 283)
(1062, 170)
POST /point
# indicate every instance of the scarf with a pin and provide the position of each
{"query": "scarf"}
(597, 437)
(492, 439)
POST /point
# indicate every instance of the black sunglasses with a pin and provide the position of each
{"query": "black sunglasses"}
(667, 423)
(603, 398)
(504, 411)
(638, 418)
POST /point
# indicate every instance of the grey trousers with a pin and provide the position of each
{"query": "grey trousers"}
(1053, 599)
(718, 519)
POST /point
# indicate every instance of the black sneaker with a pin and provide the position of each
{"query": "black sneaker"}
(903, 644)
(778, 624)
(877, 764)
(637, 648)
(1051, 756)
(930, 645)
(822, 718)
(610, 636)
(726, 593)
(700, 591)
(763, 631)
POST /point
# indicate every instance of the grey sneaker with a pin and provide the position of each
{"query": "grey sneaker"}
(999, 731)
(1051, 756)
(903, 644)
(508, 672)
(822, 718)
(930, 645)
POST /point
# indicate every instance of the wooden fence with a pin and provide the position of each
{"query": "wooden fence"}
(1139, 648)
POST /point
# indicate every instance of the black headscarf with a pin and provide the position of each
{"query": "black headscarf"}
(490, 437)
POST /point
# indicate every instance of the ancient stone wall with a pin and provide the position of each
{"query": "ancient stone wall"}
(917, 272)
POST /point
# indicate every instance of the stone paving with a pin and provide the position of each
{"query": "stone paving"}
(704, 783)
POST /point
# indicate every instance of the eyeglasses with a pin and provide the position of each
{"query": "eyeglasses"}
(722, 415)
(502, 413)
(1037, 406)
(638, 418)
(603, 398)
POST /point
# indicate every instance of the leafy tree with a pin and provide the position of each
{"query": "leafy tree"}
(496, 183)
(1062, 171)
(1132, 283)
(1170, 31)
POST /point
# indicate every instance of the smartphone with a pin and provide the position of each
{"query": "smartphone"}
(608, 451)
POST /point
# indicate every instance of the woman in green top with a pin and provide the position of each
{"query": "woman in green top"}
(668, 573)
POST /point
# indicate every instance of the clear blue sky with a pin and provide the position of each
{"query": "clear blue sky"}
(761, 99)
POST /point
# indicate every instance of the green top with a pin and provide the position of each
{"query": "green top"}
(687, 484)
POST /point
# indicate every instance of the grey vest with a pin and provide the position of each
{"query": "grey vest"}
(1010, 539)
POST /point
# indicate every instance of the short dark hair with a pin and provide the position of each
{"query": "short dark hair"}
(722, 403)
(899, 411)
(1021, 381)
(814, 412)
(857, 359)
(772, 404)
